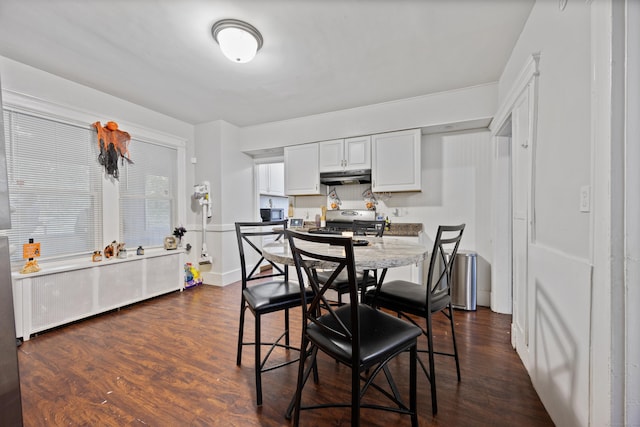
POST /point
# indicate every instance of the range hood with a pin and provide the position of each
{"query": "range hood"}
(362, 176)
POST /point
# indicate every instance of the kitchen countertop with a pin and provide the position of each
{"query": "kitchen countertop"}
(381, 252)
(410, 229)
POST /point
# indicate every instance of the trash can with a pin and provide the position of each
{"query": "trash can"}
(464, 281)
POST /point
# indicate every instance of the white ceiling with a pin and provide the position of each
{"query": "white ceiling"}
(318, 55)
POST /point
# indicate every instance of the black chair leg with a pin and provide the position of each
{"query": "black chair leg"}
(413, 385)
(455, 346)
(240, 333)
(355, 397)
(258, 362)
(303, 375)
(432, 367)
(286, 326)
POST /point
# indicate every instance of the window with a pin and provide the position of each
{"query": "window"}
(147, 189)
(55, 185)
(60, 195)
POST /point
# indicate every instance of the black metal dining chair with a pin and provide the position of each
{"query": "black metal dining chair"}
(413, 299)
(367, 278)
(263, 294)
(357, 335)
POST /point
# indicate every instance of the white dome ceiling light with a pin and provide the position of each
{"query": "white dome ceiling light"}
(238, 40)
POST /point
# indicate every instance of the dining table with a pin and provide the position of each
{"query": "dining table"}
(378, 253)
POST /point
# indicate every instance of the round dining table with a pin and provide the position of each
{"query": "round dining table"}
(378, 253)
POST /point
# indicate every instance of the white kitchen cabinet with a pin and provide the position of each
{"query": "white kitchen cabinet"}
(301, 171)
(345, 154)
(396, 162)
(271, 179)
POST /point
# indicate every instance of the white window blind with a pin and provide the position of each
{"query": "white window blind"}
(55, 185)
(147, 194)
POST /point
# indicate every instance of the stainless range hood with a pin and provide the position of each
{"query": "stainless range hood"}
(362, 176)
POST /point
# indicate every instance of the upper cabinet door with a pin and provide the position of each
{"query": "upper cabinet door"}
(345, 154)
(396, 162)
(332, 155)
(301, 170)
(357, 153)
(276, 179)
(271, 179)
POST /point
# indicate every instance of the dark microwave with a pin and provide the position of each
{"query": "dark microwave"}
(270, 214)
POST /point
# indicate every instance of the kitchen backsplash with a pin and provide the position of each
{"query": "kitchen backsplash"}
(350, 196)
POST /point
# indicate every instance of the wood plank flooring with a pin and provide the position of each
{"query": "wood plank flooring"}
(170, 361)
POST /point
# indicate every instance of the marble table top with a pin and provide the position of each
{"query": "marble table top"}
(381, 252)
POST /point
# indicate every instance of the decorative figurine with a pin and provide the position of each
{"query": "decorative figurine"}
(30, 267)
(170, 242)
(370, 199)
(30, 251)
(97, 256)
(335, 200)
(113, 250)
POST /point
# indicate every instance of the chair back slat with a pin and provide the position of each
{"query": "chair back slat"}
(245, 232)
(443, 256)
(309, 258)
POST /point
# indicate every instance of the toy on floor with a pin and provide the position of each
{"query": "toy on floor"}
(191, 276)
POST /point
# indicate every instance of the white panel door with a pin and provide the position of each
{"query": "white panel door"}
(521, 195)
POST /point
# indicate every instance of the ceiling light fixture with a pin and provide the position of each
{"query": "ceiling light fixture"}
(238, 40)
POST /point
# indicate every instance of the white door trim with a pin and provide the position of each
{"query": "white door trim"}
(501, 295)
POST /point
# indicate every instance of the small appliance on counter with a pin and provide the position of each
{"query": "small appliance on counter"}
(271, 214)
(296, 223)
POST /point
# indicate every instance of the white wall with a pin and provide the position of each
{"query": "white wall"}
(230, 173)
(561, 249)
(40, 84)
(455, 106)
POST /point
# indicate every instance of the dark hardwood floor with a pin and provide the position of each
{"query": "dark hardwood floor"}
(170, 361)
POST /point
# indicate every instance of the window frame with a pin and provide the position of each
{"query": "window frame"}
(21, 103)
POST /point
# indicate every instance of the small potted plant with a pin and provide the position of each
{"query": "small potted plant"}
(178, 232)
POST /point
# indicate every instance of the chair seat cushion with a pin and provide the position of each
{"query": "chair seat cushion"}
(273, 295)
(380, 335)
(407, 297)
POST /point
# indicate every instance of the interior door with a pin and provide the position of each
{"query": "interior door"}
(521, 188)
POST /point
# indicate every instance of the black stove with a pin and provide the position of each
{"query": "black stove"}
(341, 220)
(329, 230)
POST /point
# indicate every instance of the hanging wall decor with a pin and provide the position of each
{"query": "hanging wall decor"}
(369, 199)
(113, 144)
(334, 199)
